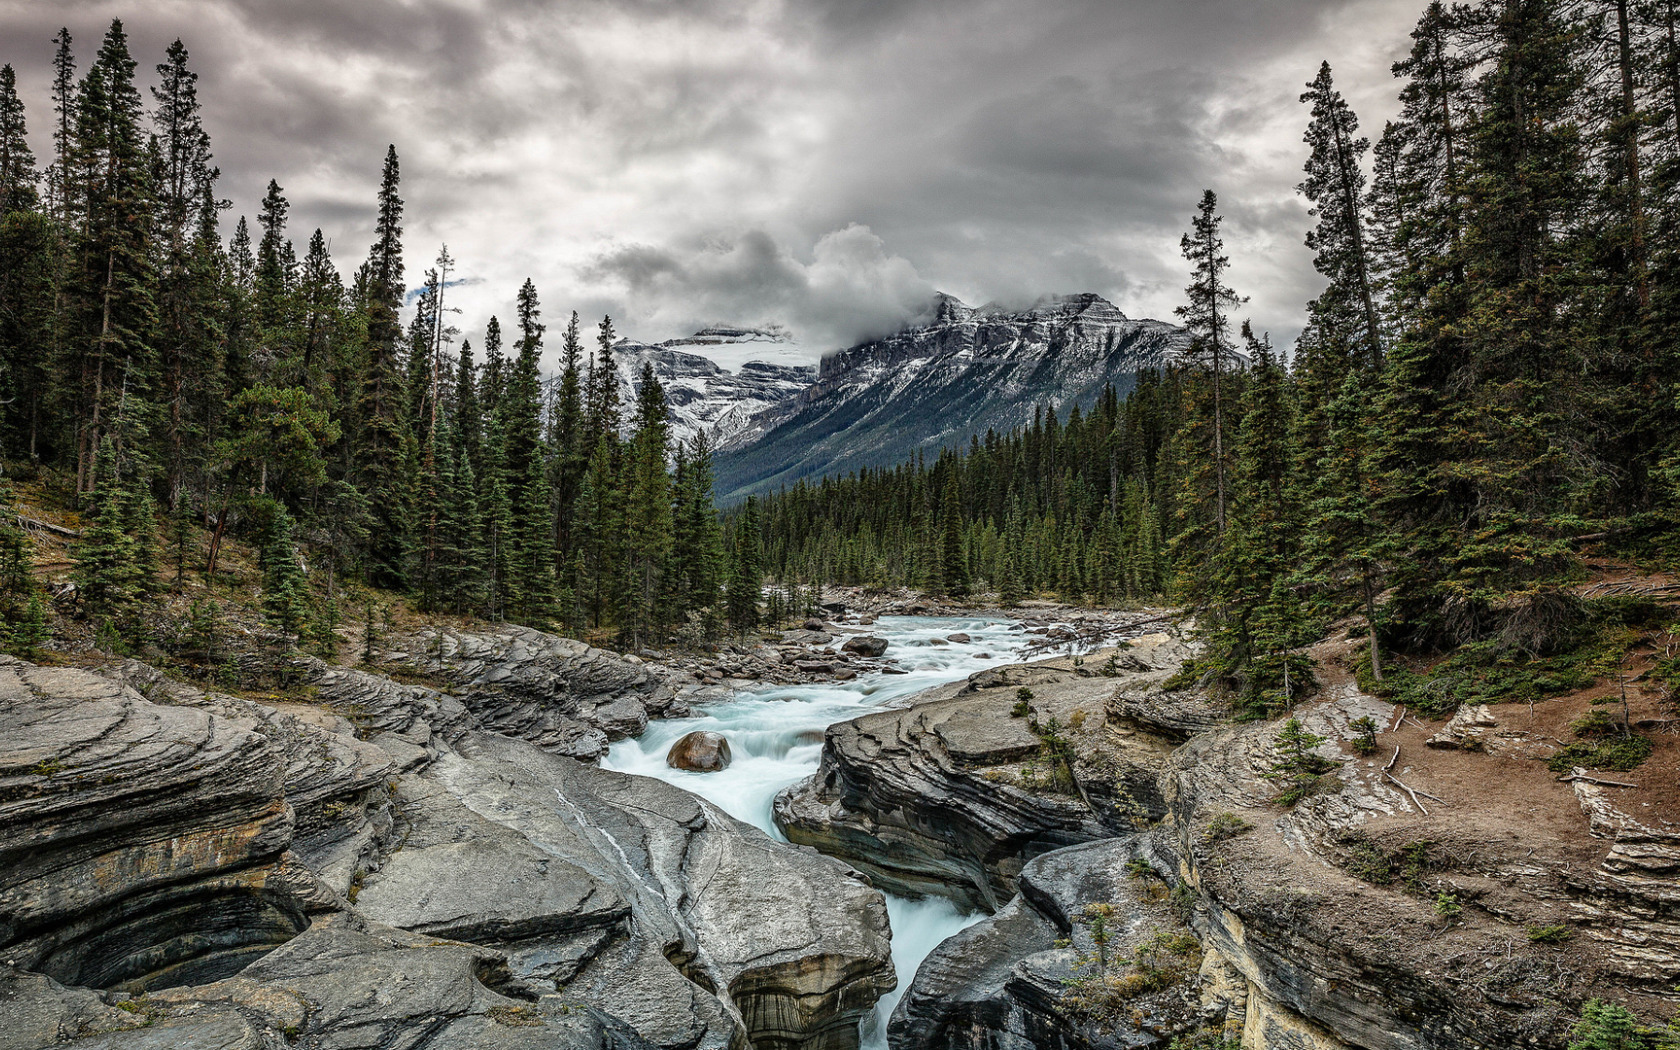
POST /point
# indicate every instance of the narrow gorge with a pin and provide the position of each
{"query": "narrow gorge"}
(1072, 852)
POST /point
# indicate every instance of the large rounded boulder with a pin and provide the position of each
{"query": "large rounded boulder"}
(865, 645)
(700, 752)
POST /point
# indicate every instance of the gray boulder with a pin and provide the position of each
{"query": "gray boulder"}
(865, 645)
(630, 894)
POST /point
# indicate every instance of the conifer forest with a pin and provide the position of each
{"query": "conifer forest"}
(1487, 377)
(379, 672)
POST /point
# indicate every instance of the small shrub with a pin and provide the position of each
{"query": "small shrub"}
(1448, 907)
(1366, 742)
(1557, 934)
(1023, 703)
(1606, 1026)
(1224, 826)
(1596, 725)
(1620, 754)
(1297, 768)
(1076, 721)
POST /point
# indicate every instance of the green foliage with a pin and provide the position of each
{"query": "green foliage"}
(1552, 934)
(1607, 1026)
(1366, 742)
(1224, 826)
(1410, 864)
(1620, 754)
(1491, 672)
(285, 599)
(1297, 769)
(1448, 907)
(1107, 985)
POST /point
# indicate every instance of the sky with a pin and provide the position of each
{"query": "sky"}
(822, 164)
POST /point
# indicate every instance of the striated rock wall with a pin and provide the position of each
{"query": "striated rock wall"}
(367, 865)
(138, 843)
(954, 794)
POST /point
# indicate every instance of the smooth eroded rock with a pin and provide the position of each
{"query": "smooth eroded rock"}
(701, 751)
(865, 645)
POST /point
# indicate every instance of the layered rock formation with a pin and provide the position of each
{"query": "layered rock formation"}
(376, 868)
(1007, 976)
(562, 695)
(139, 845)
(1416, 899)
(954, 794)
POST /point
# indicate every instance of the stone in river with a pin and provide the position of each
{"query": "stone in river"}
(701, 752)
(865, 645)
(959, 639)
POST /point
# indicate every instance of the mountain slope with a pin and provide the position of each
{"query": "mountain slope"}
(703, 394)
(933, 385)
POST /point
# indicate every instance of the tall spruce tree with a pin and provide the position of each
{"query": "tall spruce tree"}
(648, 515)
(382, 411)
(1207, 314)
(1345, 313)
(18, 191)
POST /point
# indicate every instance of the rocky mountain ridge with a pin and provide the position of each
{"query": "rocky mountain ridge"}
(961, 372)
(703, 394)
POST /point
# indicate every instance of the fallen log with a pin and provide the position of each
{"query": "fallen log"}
(47, 526)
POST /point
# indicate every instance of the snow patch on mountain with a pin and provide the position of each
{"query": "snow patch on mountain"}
(704, 394)
(963, 371)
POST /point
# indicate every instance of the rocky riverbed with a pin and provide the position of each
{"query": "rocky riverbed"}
(369, 861)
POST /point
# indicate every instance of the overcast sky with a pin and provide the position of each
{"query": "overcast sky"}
(824, 164)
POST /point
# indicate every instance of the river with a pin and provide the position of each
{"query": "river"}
(776, 736)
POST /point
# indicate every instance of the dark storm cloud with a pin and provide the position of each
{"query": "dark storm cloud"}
(822, 163)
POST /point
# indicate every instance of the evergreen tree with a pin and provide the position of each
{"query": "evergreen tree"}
(385, 434)
(746, 573)
(107, 572)
(112, 282)
(1345, 314)
(17, 163)
(61, 172)
(953, 563)
(17, 578)
(648, 515)
(1346, 543)
(1207, 315)
(285, 592)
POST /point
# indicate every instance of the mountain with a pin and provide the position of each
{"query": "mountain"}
(702, 393)
(933, 384)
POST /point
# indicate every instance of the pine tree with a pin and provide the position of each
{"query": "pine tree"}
(648, 514)
(601, 414)
(746, 573)
(113, 279)
(1345, 541)
(1345, 314)
(1207, 315)
(382, 471)
(17, 578)
(285, 597)
(107, 572)
(17, 163)
(953, 564)
(64, 110)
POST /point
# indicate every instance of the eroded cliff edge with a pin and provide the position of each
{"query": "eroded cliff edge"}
(376, 868)
(1458, 897)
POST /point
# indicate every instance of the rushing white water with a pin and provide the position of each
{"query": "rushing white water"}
(776, 738)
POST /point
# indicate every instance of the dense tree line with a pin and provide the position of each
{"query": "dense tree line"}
(1487, 379)
(191, 388)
